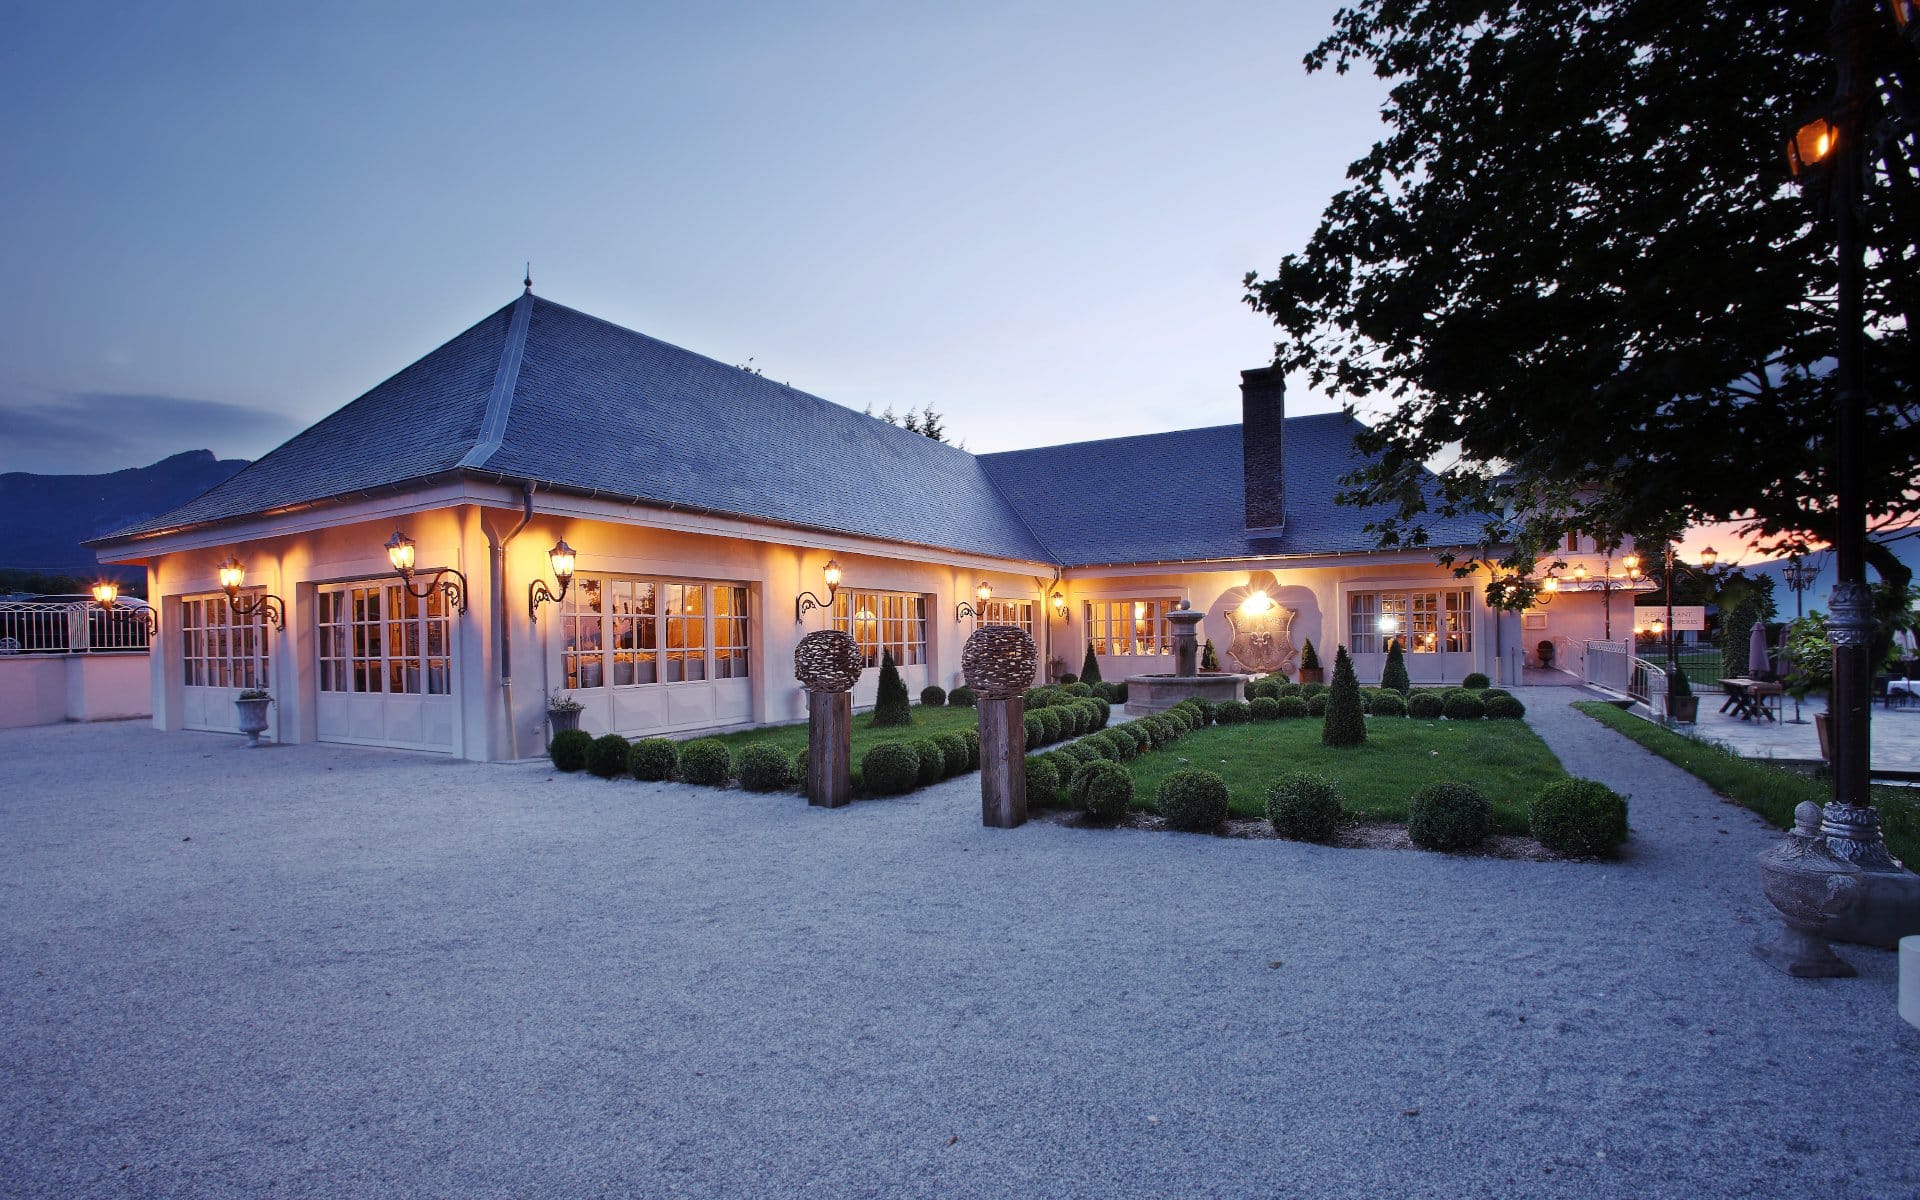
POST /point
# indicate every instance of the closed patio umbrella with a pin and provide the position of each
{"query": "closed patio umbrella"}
(1759, 662)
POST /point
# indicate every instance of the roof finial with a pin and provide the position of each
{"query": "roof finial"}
(529, 279)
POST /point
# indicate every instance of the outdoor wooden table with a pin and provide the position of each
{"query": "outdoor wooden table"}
(1744, 699)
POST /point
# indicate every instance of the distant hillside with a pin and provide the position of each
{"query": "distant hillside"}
(44, 518)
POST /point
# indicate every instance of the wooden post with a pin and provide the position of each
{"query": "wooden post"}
(829, 748)
(1003, 762)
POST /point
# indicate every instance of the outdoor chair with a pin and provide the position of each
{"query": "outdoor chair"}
(1770, 697)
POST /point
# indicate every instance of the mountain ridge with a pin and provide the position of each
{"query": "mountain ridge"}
(44, 518)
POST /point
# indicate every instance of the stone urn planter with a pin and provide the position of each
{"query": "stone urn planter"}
(1684, 709)
(1812, 890)
(563, 712)
(252, 708)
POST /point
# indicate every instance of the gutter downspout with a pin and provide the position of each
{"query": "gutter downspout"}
(1046, 617)
(497, 550)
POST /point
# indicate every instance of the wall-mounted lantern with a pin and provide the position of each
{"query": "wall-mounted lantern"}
(1549, 588)
(232, 575)
(561, 556)
(400, 554)
(981, 594)
(1257, 603)
(806, 602)
(106, 592)
(1059, 603)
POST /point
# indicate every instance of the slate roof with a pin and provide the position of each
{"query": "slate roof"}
(538, 390)
(1177, 497)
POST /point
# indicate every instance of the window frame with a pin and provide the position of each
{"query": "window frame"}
(1103, 615)
(894, 622)
(673, 645)
(244, 658)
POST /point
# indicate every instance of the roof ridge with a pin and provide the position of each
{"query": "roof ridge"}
(493, 426)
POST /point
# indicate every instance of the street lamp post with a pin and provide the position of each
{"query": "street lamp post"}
(1799, 577)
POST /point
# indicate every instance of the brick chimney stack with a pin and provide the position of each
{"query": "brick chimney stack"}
(1263, 415)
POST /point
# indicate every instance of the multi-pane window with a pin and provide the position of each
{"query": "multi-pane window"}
(893, 622)
(1130, 626)
(219, 649)
(622, 631)
(377, 638)
(1017, 613)
(1431, 622)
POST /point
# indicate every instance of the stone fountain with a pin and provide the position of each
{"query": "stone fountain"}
(1158, 692)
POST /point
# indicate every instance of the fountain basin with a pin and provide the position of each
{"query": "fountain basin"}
(1156, 693)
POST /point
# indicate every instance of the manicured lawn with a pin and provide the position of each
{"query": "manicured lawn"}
(1504, 759)
(926, 722)
(1772, 791)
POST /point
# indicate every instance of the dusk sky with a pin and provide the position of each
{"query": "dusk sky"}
(225, 221)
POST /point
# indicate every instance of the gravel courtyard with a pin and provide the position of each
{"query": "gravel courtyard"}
(321, 971)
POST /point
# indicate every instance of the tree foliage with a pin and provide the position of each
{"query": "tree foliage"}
(923, 421)
(1577, 268)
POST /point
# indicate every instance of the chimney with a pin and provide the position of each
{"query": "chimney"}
(1263, 415)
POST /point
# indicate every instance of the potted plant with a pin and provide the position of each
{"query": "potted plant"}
(1310, 670)
(1809, 661)
(1682, 705)
(252, 707)
(563, 711)
(1209, 661)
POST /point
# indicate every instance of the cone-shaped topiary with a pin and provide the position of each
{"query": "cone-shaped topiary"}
(607, 757)
(891, 706)
(1309, 657)
(1394, 674)
(1090, 669)
(1346, 719)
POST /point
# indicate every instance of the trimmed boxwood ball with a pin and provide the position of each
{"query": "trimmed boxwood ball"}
(1082, 752)
(1104, 790)
(1180, 719)
(1036, 732)
(972, 738)
(607, 756)
(1475, 680)
(653, 759)
(962, 697)
(890, 769)
(1077, 717)
(1051, 724)
(800, 765)
(1367, 696)
(1389, 704)
(933, 696)
(1101, 746)
(1317, 704)
(1232, 712)
(1504, 708)
(1424, 705)
(1304, 806)
(1074, 687)
(1064, 765)
(1310, 690)
(1141, 735)
(1193, 800)
(1578, 816)
(568, 749)
(1103, 712)
(1165, 732)
(1448, 816)
(954, 748)
(1288, 689)
(1124, 749)
(1043, 782)
(1206, 709)
(1266, 708)
(1491, 692)
(707, 762)
(933, 761)
(764, 768)
(1270, 688)
(1293, 708)
(1463, 706)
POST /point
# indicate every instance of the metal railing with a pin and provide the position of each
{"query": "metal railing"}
(1647, 683)
(72, 627)
(1609, 665)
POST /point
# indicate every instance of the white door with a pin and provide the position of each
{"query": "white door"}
(221, 655)
(385, 670)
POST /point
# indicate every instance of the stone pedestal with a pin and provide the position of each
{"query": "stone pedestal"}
(1003, 761)
(1186, 639)
(829, 748)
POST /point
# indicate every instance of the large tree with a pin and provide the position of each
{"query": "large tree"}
(1578, 273)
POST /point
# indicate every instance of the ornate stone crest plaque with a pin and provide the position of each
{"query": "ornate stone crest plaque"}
(1262, 629)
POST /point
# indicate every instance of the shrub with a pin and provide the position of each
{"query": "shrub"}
(1180, 719)
(1036, 732)
(1077, 718)
(1112, 693)
(890, 769)
(653, 759)
(1505, 708)
(1267, 688)
(1043, 783)
(1424, 705)
(1204, 710)
(1317, 704)
(1164, 731)
(706, 761)
(1125, 749)
(1304, 806)
(1578, 816)
(1389, 704)
(1069, 677)
(1052, 722)
(1309, 657)
(1367, 696)
(890, 706)
(1490, 693)
(1193, 800)
(1104, 790)
(953, 747)
(1064, 765)
(1036, 698)
(1310, 690)
(1266, 708)
(1076, 690)
(1463, 706)
(568, 749)
(764, 768)
(800, 767)
(1104, 748)
(1290, 689)
(1119, 695)
(972, 738)
(1103, 712)
(1475, 681)
(962, 697)
(607, 756)
(933, 696)
(1082, 752)
(1090, 669)
(1141, 735)
(1346, 720)
(1394, 674)
(1448, 816)
(933, 761)
(1293, 708)
(1232, 712)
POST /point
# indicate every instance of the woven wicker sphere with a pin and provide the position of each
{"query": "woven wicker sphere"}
(827, 661)
(999, 660)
